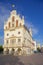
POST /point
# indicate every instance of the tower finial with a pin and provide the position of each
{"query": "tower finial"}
(13, 5)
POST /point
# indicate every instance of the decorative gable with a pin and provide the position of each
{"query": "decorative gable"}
(14, 20)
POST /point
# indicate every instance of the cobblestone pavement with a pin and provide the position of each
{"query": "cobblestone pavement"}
(35, 59)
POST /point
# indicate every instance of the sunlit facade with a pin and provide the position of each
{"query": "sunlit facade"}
(17, 38)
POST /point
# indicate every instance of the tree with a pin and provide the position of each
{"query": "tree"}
(1, 48)
(38, 49)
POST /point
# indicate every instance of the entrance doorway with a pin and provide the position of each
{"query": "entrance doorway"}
(7, 51)
(12, 52)
(19, 51)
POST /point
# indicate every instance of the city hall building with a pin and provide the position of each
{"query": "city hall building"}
(17, 38)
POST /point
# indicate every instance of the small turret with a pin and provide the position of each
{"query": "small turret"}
(13, 12)
(23, 19)
(30, 31)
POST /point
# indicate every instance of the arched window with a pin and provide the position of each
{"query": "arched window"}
(13, 19)
(16, 23)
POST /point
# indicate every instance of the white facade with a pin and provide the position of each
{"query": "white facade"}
(17, 38)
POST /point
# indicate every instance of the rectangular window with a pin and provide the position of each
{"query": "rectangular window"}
(7, 41)
(19, 40)
(7, 34)
(18, 32)
(12, 25)
(13, 41)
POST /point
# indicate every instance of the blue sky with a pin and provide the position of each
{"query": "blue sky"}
(32, 11)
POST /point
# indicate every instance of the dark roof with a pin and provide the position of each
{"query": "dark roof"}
(27, 29)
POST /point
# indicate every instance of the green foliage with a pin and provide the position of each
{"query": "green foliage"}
(38, 49)
(1, 48)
